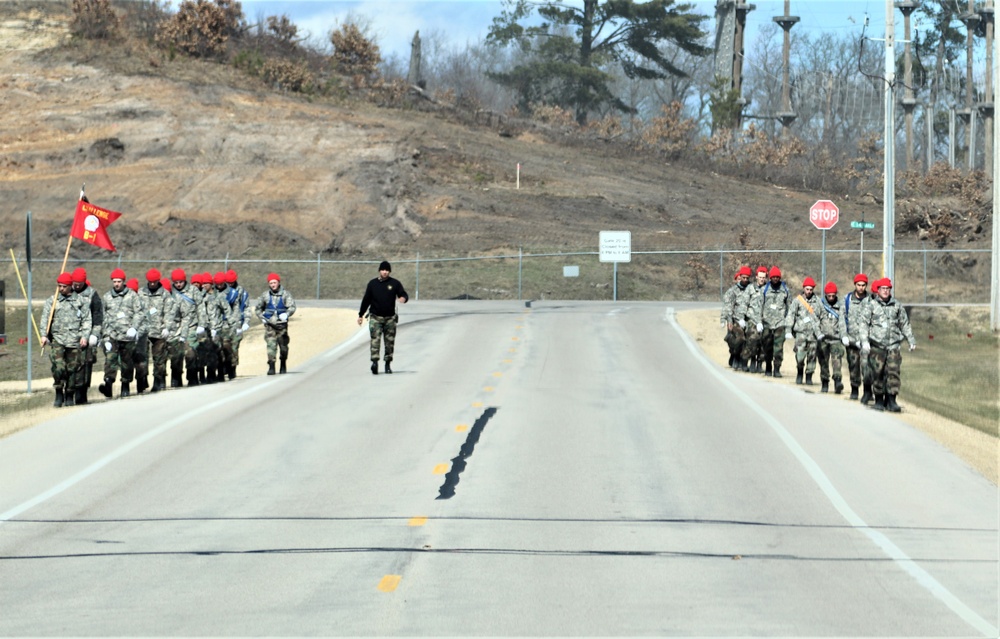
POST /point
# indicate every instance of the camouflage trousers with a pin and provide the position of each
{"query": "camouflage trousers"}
(183, 355)
(382, 329)
(805, 352)
(67, 367)
(736, 338)
(140, 359)
(207, 351)
(751, 347)
(276, 338)
(160, 350)
(237, 339)
(884, 364)
(830, 355)
(772, 344)
(119, 357)
(857, 366)
(89, 359)
(227, 351)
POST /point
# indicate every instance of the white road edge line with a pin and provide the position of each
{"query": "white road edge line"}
(922, 577)
(71, 481)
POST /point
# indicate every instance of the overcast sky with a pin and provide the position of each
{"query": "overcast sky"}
(463, 21)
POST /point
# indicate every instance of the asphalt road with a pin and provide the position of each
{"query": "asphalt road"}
(568, 468)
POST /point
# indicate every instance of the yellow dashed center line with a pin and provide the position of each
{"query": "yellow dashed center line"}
(498, 374)
(389, 583)
(418, 521)
(514, 339)
(488, 389)
(462, 428)
(508, 361)
(441, 469)
(477, 404)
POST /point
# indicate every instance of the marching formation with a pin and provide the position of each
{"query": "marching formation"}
(869, 329)
(195, 328)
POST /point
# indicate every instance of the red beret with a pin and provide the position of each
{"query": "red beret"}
(64, 278)
(196, 278)
(231, 276)
(762, 269)
(133, 284)
(79, 275)
(809, 282)
(775, 272)
(178, 275)
(117, 274)
(830, 288)
(220, 278)
(860, 277)
(165, 283)
(152, 275)
(273, 276)
(744, 270)
(885, 281)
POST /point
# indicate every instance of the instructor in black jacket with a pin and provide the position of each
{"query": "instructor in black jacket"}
(380, 299)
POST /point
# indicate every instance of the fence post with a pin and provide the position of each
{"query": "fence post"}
(925, 273)
(417, 291)
(318, 276)
(520, 260)
(722, 276)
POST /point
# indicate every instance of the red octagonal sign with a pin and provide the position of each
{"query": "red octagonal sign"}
(824, 214)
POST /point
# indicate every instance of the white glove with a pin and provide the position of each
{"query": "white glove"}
(283, 317)
(107, 346)
(165, 333)
(846, 340)
(200, 330)
(789, 336)
(722, 325)
(214, 333)
(866, 348)
(181, 340)
(93, 340)
(130, 333)
(246, 327)
(760, 327)
(239, 331)
(742, 323)
(913, 347)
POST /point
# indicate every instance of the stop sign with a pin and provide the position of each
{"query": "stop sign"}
(824, 214)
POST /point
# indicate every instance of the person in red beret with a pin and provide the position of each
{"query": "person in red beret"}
(833, 339)
(140, 355)
(68, 332)
(273, 308)
(857, 364)
(884, 326)
(775, 301)
(119, 334)
(238, 300)
(735, 304)
(801, 325)
(190, 325)
(162, 318)
(94, 301)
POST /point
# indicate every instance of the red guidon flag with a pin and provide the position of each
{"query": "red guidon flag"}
(91, 224)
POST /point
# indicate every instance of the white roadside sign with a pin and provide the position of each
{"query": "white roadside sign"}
(615, 246)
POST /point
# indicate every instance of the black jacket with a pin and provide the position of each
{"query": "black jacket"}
(380, 297)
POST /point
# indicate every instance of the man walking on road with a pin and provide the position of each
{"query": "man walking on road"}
(380, 299)
(122, 316)
(857, 364)
(884, 325)
(69, 336)
(801, 325)
(273, 308)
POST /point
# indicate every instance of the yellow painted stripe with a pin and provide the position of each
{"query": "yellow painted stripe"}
(389, 583)
(508, 361)
(511, 350)
(498, 374)
(462, 428)
(477, 404)
(440, 469)
(418, 521)
(488, 389)
(514, 339)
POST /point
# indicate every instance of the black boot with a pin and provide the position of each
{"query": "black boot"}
(175, 381)
(824, 386)
(374, 368)
(60, 398)
(798, 375)
(69, 397)
(283, 369)
(105, 388)
(854, 391)
(809, 379)
(270, 368)
(388, 369)
(838, 386)
(777, 369)
(81, 396)
(867, 397)
(232, 371)
(891, 405)
(141, 384)
(767, 369)
(124, 392)
(157, 384)
(732, 358)
(879, 401)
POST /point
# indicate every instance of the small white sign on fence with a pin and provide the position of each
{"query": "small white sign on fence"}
(571, 271)
(615, 246)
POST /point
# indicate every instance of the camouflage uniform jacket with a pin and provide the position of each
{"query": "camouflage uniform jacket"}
(143, 328)
(854, 307)
(161, 312)
(832, 321)
(238, 299)
(189, 314)
(270, 305)
(210, 304)
(228, 319)
(885, 324)
(755, 305)
(93, 300)
(801, 317)
(735, 303)
(775, 303)
(71, 320)
(122, 311)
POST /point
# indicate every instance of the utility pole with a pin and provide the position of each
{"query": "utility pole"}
(889, 171)
(909, 102)
(995, 270)
(786, 116)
